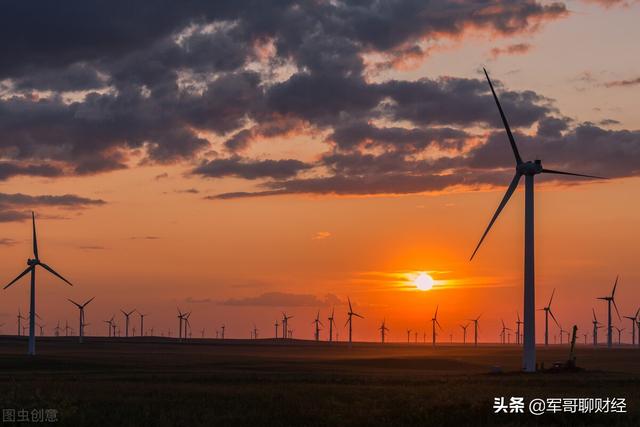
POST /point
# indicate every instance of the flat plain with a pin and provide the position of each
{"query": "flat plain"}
(161, 382)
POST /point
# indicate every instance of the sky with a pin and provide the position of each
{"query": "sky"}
(241, 159)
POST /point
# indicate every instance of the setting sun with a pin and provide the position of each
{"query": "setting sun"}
(423, 282)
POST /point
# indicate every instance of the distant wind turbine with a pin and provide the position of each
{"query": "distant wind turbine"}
(126, 321)
(332, 322)
(222, 328)
(529, 169)
(610, 299)
(434, 322)
(408, 336)
(142, 315)
(109, 325)
(464, 333)
(180, 320)
(475, 330)
(518, 324)
(285, 325)
(81, 309)
(383, 330)
(32, 264)
(503, 333)
(596, 326)
(547, 312)
(633, 326)
(351, 313)
(276, 326)
(317, 323)
(255, 332)
(619, 334)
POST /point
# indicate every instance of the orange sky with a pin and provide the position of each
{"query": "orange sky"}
(154, 245)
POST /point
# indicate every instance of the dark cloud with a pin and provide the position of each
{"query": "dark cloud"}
(623, 83)
(250, 169)
(11, 169)
(281, 299)
(513, 49)
(18, 206)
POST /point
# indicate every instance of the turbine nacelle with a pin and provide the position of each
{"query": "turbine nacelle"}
(32, 262)
(530, 168)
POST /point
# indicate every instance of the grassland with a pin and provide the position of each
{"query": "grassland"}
(156, 382)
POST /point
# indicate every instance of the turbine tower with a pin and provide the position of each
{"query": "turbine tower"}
(109, 325)
(351, 313)
(180, 320)
(619, 334)
(610, 299)
(529, 169)
(434, 322)
(81, 308)
(408, 336)
(596, 326)
(633, 326)
(32, 264)
(383, 330)
(285, 325)
(503, 333)
(276, 326)
(547, 312)
(126, 321)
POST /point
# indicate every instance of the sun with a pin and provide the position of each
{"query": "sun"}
(423, 282)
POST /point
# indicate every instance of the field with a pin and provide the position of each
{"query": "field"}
(157, 382)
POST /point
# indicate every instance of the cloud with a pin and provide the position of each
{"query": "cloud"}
(321, 235)
(7, 242)
(144, 238)
(191, 300)
(250, 169)
(92, 248)
(513, 49)
(623, 83)
(281, 299)
(18, 206)
(161, 176)
(188, 191)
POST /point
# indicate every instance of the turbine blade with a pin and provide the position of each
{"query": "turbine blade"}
(436, 315)
(505, 199)
(35, 239)
(614, 287)
(74, 303)
(594, 314)
(19, 276)
(551, 299)
(571, 174)
(52, 271)
(616, 307)
(348, 299)
(512, 141)
(88, 301)
(357, 315)
(554, 319)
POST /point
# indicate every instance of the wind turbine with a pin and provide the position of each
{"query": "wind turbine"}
(596, 326)
(503, 333)
(351, 313)
(222, 328)
(276, 326)
(81, 308)
(464, 333)
(126, 322)
(547, 312)
(109, 325)
(633, 326)
(434, 322)
(562, 332)
(41, 326)
(187, 325)
(180, 320)
(529, 169)
(142, 322)
(331, 323)
(383, 330)
(610, 299)
(56, 330)
(518, 323)
(619, 334)
(408, 336)
(255, 332)
(32, 264)
(285, 325)
(318, 323)
(20, 319)
(475, 330)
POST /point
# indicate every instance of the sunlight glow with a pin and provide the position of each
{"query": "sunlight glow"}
(423, 282)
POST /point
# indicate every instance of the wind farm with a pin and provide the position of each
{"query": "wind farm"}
(320, 213)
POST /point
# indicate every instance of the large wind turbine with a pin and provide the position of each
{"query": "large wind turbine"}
(81, 308)
(434, 322)
(351, 313)
(547, 312)
(32, 264)
(633, 326)
(610, 299)
(529, 169)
